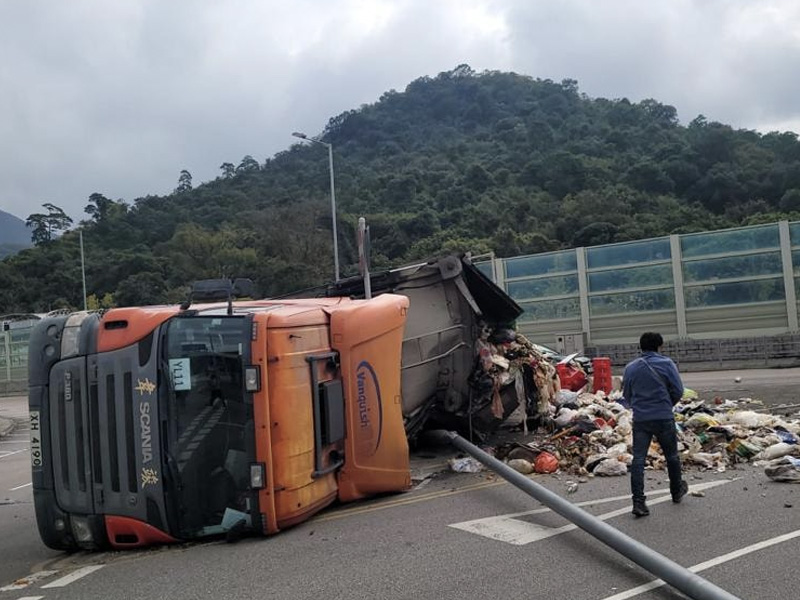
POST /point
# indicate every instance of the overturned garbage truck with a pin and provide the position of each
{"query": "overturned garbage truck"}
(166, 423)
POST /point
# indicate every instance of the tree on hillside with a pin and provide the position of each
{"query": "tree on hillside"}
(102, 209)
(184, 182)
(228, 170)
(45, 226)
(248, 164)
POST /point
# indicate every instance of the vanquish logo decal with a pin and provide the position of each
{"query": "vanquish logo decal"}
(369, 401)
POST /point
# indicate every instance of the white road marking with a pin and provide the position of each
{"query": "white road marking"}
(507, 528)
(17, 442)
(24, 582)
(74, 576)
(32, 598)
(708, 564)
(19, 487)
(6, 453)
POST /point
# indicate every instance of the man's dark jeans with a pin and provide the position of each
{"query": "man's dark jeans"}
(643, 433)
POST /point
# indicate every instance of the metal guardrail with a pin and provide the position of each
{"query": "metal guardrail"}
(14, 355)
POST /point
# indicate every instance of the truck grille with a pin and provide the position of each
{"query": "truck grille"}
(94, 431)
(69, 418)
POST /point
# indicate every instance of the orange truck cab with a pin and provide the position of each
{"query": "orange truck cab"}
(166, 423)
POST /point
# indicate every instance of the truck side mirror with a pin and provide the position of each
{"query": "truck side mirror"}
(243, 288)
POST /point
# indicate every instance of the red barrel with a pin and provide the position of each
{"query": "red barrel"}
(601, 368)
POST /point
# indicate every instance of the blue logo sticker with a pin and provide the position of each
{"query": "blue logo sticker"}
(365, 375)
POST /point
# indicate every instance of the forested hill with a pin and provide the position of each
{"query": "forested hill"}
(14, 235)
(462, 161)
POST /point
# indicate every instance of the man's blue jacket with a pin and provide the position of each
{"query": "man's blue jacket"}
(652, 386)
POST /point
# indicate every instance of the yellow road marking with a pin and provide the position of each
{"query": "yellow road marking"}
(358, 510)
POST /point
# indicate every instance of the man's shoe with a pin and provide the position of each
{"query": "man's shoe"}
(640, 509)
(682, 491)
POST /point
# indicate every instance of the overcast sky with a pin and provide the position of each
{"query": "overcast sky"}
(117, 96)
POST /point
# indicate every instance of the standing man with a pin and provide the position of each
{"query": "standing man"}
(652, 385)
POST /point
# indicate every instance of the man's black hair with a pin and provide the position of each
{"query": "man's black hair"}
(651, 341)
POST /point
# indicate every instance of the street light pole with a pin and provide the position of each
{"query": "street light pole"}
(83, 271)
(304, 137)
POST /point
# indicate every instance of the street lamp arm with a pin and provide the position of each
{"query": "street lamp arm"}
(305, 138)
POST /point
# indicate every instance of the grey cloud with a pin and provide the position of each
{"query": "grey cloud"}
(118, 97)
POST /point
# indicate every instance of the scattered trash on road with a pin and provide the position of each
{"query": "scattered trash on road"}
(521, 465)
(785, 468)
(465, 465)
(569, 429)
(590, 434)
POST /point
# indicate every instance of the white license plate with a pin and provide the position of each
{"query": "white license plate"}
(36, 440)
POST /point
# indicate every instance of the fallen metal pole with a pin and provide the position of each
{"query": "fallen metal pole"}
(671, 572)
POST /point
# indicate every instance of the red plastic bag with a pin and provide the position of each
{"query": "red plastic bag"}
(545, 463)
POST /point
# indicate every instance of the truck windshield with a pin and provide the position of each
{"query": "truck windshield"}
(210, 422)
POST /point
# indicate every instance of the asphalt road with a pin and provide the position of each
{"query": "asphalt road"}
(773, 387)
(21, 548)
(453, 536)
(446, 541)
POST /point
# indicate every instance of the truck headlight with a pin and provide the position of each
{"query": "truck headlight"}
(81, 530)
(70, 343)
(257, 476)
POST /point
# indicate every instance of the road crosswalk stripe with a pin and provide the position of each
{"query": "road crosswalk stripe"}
(24, 582)
(5, 453)
(511, 530)
(72, 577)
(708, 564)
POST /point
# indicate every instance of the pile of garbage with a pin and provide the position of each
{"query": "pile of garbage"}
(590, 434)
(506, 359)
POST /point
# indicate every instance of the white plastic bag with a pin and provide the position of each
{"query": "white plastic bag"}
(750, 419)
(710, 460)
(775, 451)
(564, 416)
(611, 467)
(786, 469)
(521, 466)
(566, 396)
(624, 426)
(465, 465)
(617, 449)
